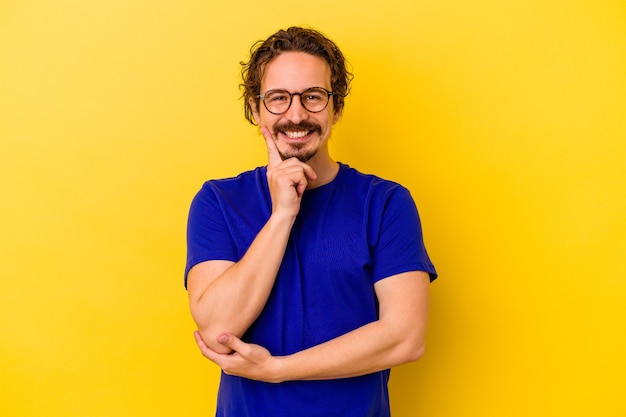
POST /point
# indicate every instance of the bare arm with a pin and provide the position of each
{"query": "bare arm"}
(227, 296)
(397, 337)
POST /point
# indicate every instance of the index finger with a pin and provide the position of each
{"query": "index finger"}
(273, 155)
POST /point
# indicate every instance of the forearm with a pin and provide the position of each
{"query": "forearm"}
(371, 348)
(234, 299)
(397, 337)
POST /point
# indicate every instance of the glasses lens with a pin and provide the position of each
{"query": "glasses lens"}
(277, 101)
(314, 99)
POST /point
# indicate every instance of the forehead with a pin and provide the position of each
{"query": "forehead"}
(296, 71)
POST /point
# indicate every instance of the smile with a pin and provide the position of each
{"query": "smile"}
(297, 134)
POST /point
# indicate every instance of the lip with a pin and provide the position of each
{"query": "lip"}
(296, 139)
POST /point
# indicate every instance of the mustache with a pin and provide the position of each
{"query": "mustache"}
(303, 125)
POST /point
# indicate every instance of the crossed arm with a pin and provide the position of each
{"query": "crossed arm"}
(396, 337)
(224, 295)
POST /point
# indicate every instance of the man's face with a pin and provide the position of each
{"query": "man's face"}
(297, 132)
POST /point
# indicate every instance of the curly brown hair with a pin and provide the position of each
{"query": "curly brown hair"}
(294, 39)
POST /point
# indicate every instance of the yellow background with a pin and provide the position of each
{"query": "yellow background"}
(506, 119)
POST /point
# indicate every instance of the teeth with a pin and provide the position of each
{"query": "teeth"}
(296, 135)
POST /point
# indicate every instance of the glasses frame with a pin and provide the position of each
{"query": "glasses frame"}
(262, 98)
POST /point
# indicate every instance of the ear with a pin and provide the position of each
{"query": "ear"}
(255, 110)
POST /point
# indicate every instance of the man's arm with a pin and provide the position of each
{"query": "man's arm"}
(396, 338)
(228, 296)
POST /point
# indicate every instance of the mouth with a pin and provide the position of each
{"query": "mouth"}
(298, 132)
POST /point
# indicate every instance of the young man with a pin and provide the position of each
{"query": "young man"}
(307, 279)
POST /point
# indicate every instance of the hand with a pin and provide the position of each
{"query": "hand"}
(287, 179)
(246, 360)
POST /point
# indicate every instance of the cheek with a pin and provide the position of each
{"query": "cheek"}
(265, 118)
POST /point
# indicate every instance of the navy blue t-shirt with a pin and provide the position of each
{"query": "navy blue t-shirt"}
(349, 234)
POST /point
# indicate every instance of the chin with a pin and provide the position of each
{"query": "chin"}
(301, 156)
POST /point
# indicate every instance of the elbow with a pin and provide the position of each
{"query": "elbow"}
(208, 330)
(412, 351)
(408, 344)
(416, 353)
(199, 317)
(210, 337)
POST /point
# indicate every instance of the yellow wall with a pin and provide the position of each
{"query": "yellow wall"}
(507, 120)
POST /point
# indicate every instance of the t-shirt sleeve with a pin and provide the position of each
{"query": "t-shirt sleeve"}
(400, 244)
(208, 235)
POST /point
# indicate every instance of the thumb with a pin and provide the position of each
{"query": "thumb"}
(231, 341)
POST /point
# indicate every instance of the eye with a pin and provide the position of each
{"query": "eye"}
(314, 96)
(276, 97)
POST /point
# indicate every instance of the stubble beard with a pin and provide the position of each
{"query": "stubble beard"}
(296, 151)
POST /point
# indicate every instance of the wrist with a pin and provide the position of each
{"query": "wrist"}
(282, 219)
(279, 369)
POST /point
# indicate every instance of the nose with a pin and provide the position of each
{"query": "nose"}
(296, 112)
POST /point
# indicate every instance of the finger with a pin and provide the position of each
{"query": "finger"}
(296, 166)
(207, 352)
(232, 342)
(199, 340)
(308, 171)
(307, 175)
(272, 151)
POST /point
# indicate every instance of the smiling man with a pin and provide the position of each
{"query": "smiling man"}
(307, 279)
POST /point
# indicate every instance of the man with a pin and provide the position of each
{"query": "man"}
(307, 279)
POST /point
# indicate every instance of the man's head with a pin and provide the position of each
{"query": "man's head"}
(294, 39)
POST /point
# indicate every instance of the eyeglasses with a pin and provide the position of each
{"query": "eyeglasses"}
(314, 100)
